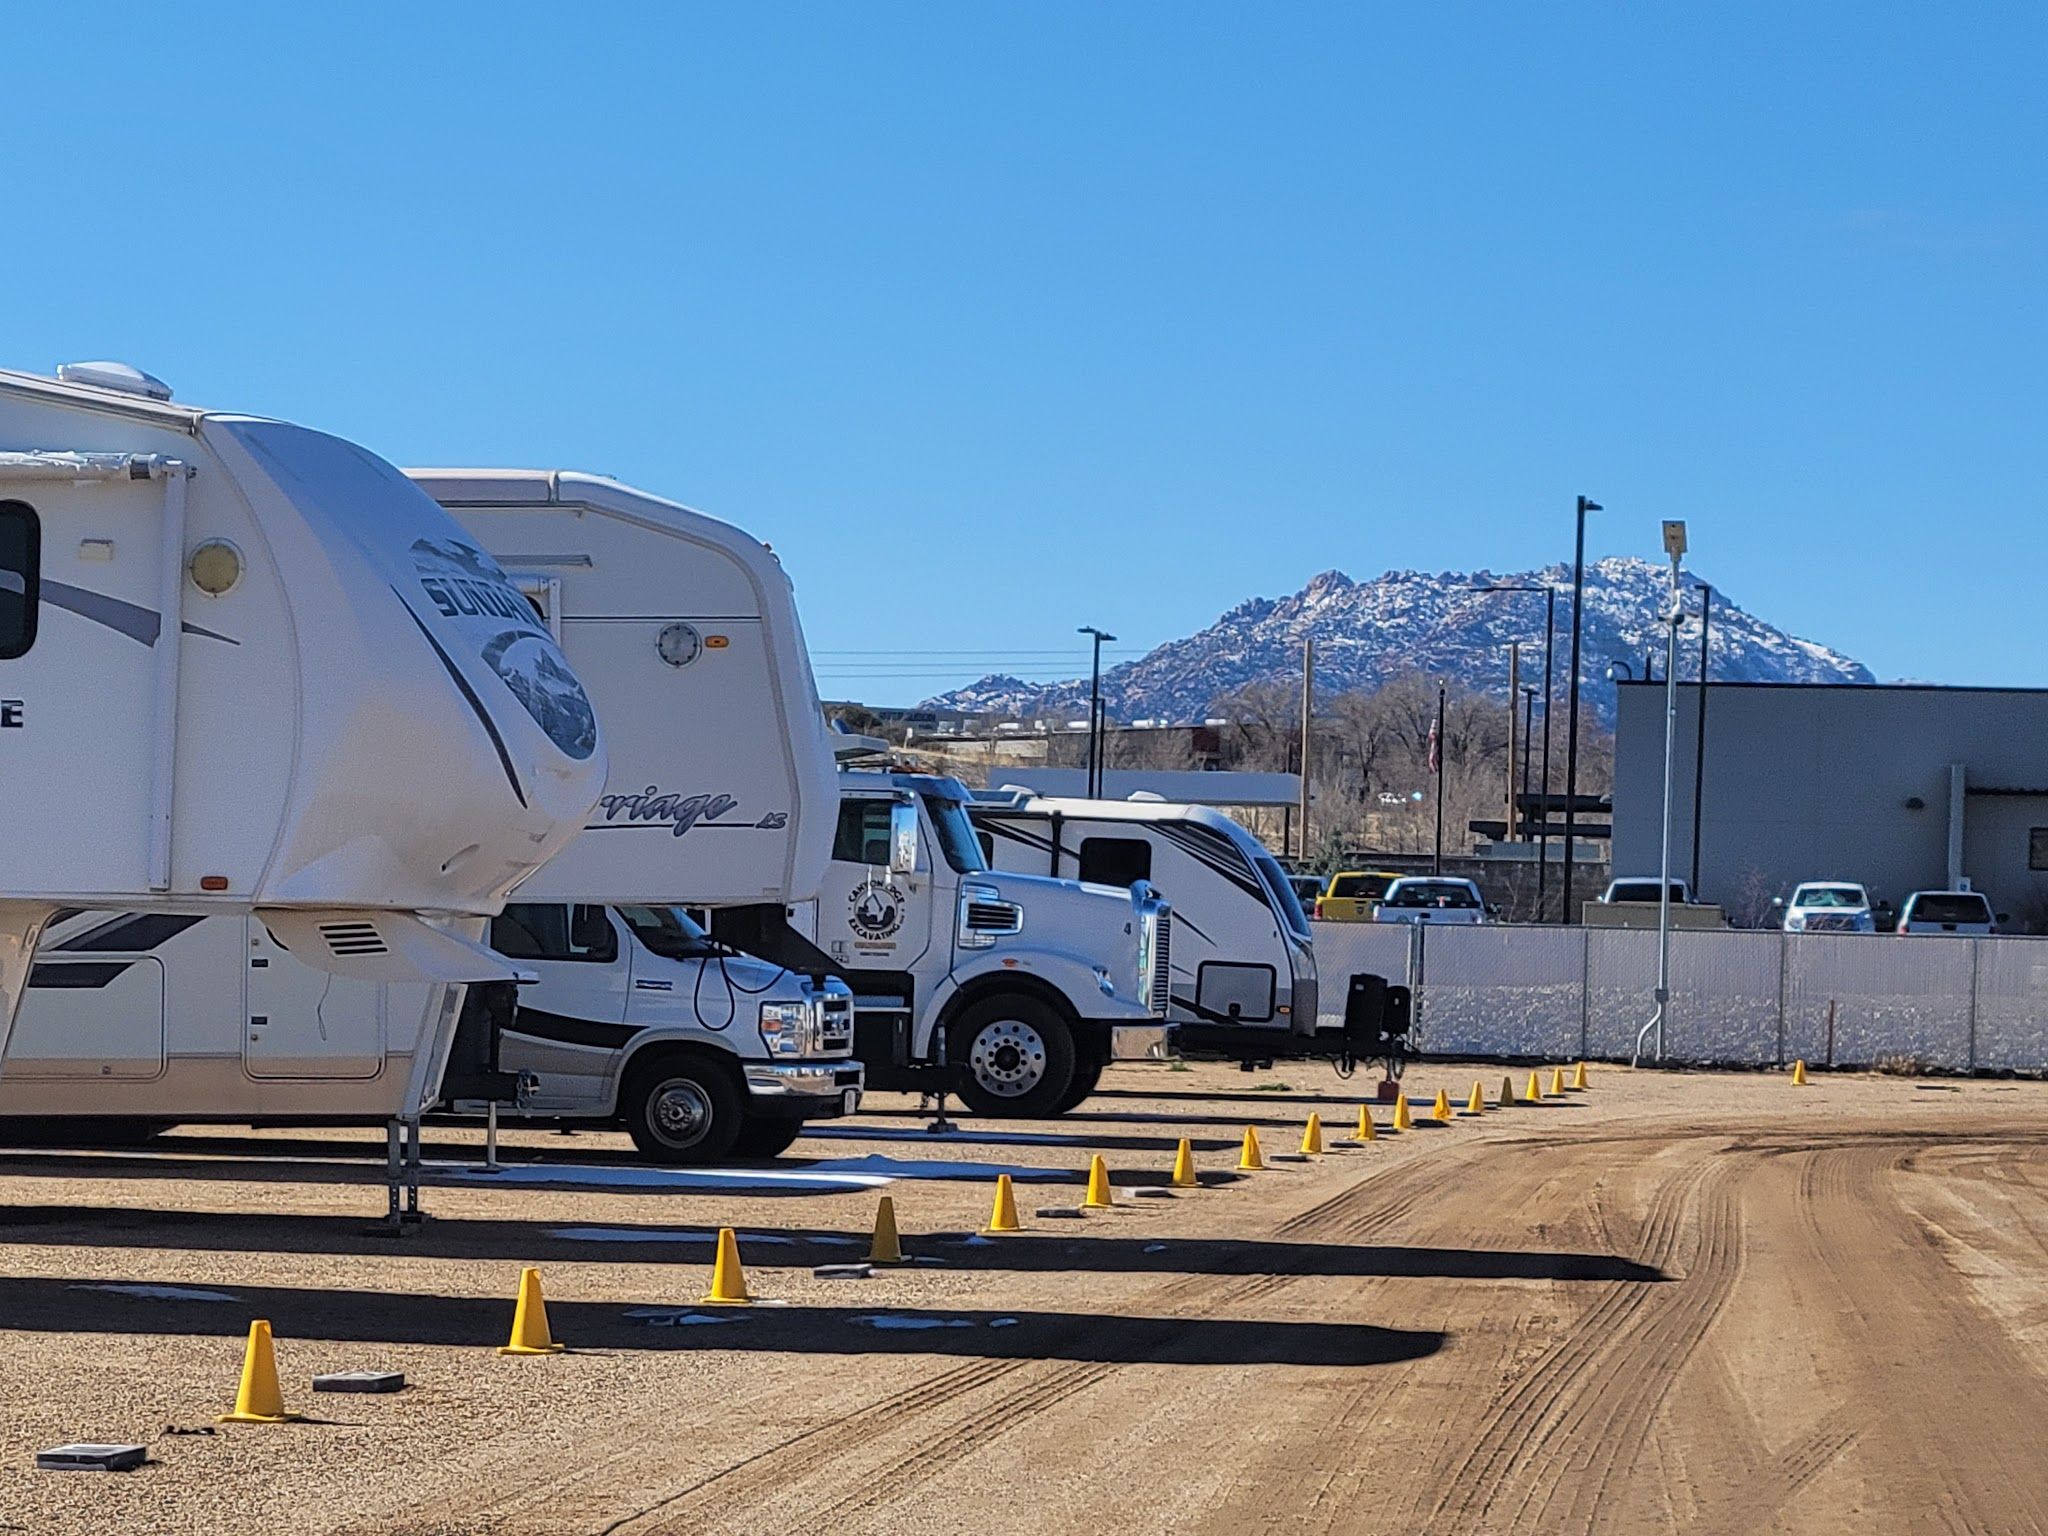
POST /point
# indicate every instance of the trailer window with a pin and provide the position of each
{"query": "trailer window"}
(545, 931)
(1115, 860)
(21, 538)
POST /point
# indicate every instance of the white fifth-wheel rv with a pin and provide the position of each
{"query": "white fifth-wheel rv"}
(723, 790)
(226, 687)
(1244, 969)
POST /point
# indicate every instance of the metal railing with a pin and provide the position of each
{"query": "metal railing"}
(1737, 996)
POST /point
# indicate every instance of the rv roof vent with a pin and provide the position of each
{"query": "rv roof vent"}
(115, 376)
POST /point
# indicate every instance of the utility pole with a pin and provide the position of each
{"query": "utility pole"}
(1514, 693)
(1674, 546)
(1095, 757)
(1436, 865)
(1308, 698)
(1699, 756)
(1571, 744)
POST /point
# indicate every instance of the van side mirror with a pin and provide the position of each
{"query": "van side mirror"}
(902, 839)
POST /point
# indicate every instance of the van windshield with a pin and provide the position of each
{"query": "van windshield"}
(668, 932)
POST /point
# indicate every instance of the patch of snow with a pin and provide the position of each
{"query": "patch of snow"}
(884, 1168)
(822, 1179)
(673, 1317)
(895, 1321)
(992, 1138)
(158, 1292)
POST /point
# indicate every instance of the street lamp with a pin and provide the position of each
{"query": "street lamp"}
(1674, 546)
(1095, 710)
(1549, 634)
(1571, 744)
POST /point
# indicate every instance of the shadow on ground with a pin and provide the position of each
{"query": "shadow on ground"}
(1045, 1250)
(382, 1317)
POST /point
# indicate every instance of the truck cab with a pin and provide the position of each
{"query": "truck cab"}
(1016, 989)
(639, 1015)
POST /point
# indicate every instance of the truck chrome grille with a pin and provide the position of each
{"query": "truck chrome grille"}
(994, 917)
(836, 1024)
(1162, 964)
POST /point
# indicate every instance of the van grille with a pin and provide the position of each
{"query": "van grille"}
(1162, 964)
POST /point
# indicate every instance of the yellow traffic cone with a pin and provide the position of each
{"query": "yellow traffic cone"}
(1557, 1082)
(259, 1401)
(1579, 1077)
(1533, 1094)
(1402, 1119)
(728, 1280)
(1184, 1166)
(1004, 1217)
(1442, 1108)
(1476, 1105)
(1507, 1093)
(1098, 1185)
(1312, 1136)
(1799, 1074)
(530, 1334)
(1248, 1159)
(885, 1247)
(1366, 1131)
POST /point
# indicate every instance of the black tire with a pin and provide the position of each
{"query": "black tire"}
(761, 1136)
(681, 1108)
(1026, 1056)
(1087, 1073)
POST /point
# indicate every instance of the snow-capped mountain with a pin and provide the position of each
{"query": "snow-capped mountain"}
(1367, 632)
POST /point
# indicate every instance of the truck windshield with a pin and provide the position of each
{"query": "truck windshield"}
(1431, 893)
(955, 834)
(1363, 887)
(1830, 896)
(1949, 907)
(668, 932)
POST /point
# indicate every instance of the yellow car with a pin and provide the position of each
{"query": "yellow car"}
(1353, 894)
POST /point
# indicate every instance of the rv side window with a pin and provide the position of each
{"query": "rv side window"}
(543, 931)
(863, 833)
(21, 539)
(1115, 860)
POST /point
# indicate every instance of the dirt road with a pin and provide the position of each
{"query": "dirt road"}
(1709, 1302)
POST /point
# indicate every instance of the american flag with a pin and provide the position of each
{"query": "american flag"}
(1434, 749)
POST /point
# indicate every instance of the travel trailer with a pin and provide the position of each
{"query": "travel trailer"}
(249, 668)
(1014, 989)
(722, 791)
(1243, 970)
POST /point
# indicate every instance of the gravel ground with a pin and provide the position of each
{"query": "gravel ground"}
(1125, 1365)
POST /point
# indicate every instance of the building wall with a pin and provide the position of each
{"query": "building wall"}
(1806, 782)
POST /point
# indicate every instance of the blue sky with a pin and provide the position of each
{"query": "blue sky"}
(999, 319)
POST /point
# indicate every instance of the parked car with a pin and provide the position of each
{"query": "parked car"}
(1828, 906)
(1352, 894)
(1964, 912)
(1644, 889)
(1433, 899)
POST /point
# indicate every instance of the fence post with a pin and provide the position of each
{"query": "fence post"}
(1585, 990)
(1784, 965)
(1976, 962)
(1418, 968)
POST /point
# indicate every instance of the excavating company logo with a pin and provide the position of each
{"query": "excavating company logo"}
(477, 598)
(875, 910)
(679, 813)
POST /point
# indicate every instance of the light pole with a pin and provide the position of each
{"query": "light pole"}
(1095, 709)
(1699, 755)
(1571, 743)
(1549, 648)
(1674, 546)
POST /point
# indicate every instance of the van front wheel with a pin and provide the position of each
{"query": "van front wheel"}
(1017, 1055)
(681, 1109)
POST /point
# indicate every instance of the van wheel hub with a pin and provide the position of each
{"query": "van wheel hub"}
(1008, 1058)
(681, 1111)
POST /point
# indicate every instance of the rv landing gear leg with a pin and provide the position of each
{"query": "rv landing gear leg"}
(401, 1168)
(491, 1163)
(413, 1215)
(940, 1125)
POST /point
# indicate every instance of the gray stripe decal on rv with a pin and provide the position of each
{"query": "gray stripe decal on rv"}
(483, 715)
(139, 624)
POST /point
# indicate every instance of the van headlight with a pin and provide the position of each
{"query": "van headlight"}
(790, 1029)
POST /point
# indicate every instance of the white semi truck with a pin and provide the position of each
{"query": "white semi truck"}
(225, 689)
(1014, 990)
(723, 790)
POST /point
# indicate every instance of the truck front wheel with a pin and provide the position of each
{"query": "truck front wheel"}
(681, 1109)
(1017, 1056)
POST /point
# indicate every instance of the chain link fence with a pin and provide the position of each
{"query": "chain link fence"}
(1737, 997)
